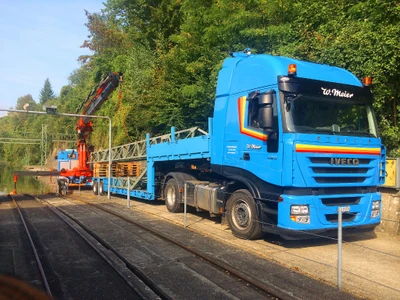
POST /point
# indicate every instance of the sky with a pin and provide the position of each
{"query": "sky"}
(40, 39)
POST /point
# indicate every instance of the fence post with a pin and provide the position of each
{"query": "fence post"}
(15, 184)
(339, 262)
(128, 196)
(184, 206)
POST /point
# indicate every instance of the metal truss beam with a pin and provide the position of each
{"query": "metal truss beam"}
(137, 150)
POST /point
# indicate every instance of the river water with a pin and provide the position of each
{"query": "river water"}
(25, 184)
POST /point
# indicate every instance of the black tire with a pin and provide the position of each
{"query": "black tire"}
(95, 187)
(101, 188)
(172, 197)
(62, 189)
(242, 217)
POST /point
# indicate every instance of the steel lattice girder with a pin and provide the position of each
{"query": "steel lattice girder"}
(137, 150)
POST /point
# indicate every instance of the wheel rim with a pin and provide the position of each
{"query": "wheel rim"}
(241, 215)
(171, 195)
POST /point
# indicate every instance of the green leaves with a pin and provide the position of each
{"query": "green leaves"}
(170, 52)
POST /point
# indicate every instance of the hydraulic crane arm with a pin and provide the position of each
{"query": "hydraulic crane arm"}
(95, 100)
(106, 87)
(92, 104)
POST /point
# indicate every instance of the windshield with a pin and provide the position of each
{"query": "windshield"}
(329, 116)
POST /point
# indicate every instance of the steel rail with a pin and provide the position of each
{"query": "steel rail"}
(38, 262)
(268, 288)
(151, 289)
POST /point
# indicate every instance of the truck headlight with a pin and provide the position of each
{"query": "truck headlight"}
(299, 210)
(376, 207)
(300, 214)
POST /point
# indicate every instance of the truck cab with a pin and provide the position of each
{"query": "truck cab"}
(301, 140)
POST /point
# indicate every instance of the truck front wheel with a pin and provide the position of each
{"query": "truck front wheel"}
(171, 194)
(242, 217)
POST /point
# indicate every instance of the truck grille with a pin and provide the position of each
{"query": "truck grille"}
(339, 170)
(340, 201)
(339, 179)
(324, 173)
(346, 217)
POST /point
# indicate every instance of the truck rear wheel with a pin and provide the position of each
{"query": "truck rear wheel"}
(242, 217)
(101, 188)
(171, 194)
(95, 187)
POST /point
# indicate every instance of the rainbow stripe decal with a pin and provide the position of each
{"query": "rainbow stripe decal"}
(337, 149)
(242, 116)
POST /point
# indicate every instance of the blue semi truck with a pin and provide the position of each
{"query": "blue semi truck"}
(289, 143)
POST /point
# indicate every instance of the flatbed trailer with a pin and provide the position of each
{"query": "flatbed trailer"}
(189, 144)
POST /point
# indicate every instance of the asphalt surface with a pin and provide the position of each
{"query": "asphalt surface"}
(159, 259)
(371, 262)
(73, 268)
(302, 269)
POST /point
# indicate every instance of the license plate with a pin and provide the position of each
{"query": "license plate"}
(344, 208)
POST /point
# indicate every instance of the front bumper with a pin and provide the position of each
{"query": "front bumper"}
(289, 234)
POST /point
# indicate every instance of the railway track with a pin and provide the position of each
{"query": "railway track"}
(34, 250)
(149, 258)
(267, 290)
(54, 275)
(223, 280)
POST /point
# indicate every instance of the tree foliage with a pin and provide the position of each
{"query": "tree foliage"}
(170, 52)
(46, 93)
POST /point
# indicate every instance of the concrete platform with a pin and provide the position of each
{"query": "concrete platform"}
(371, 263)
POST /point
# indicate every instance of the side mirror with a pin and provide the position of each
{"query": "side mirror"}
(265, 110)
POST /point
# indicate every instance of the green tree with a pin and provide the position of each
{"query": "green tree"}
(170, 52)
(27, 99)
(46, 93)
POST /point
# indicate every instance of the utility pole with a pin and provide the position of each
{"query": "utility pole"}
(43, 146)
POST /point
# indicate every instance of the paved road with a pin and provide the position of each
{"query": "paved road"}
(371, 262)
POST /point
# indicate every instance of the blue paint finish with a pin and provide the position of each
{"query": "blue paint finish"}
(251, 72)
(67, 159)
(219, 133)
(192, 148)
(117, 189)
(318, 211)
(151, 176)
(304, 176)
(140, 194)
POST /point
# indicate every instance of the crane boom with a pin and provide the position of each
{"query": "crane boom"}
(93, 103)
(106, 87)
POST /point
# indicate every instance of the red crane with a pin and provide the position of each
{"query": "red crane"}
(85, 126)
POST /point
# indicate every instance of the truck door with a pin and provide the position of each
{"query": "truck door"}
(260, 148)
